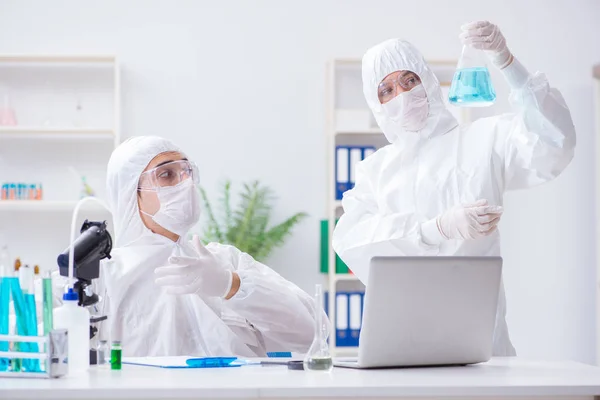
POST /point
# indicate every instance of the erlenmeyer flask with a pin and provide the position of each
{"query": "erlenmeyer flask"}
(318, 357)
(472, 85)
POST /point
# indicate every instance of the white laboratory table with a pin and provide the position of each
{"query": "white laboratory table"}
(512, 378)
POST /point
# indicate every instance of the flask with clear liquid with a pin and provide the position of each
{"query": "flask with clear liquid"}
(472, 84)
(318, 357)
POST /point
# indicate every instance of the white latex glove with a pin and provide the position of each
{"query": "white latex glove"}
(470, 221)
(484, 35)
(197, 245)
(204, 276)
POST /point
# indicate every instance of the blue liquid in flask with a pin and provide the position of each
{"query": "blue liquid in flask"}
(472, 87)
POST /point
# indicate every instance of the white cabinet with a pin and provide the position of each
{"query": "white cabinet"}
(64, 116)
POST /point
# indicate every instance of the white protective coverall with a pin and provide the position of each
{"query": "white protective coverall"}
(404, 186)
(268, 313)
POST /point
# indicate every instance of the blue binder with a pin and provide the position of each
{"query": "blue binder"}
(349, 313)
(342, 327)
(354, 155)
(355, 316)
(367, 151)
(342, 171)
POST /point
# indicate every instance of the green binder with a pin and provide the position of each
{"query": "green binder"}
(340, 266)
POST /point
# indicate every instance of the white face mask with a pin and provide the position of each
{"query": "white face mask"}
(179, 207)
(409, 109)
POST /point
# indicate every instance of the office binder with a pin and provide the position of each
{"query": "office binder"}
(355, 308)
(340, 266)
(342, 171)
(367, 151)
(324, 250)
(349, 316)
(342, 337)
(356, 156)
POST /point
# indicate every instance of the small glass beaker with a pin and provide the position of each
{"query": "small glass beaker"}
(472, 84)
(318, 357)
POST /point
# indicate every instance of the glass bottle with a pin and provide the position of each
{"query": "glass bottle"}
(472, 84)
(7, 112)
(115, 355)
(103, 353)
(318, 357)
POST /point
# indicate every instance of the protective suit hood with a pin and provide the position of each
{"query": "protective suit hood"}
(399, 55)
(125, 166)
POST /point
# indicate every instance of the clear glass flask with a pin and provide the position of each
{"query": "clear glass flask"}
(472, 84)
(318, 357)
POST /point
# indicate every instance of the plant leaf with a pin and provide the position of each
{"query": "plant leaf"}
(251, 209)
(277, 235)
(245, 225)
(226, 204)
(212, 231)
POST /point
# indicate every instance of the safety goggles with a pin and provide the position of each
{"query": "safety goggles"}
(392, 86)
(169, 174)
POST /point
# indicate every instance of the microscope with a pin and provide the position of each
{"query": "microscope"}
(94, 244)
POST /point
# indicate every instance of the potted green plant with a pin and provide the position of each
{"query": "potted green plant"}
(247, 225)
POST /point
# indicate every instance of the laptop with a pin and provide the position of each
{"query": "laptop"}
(428, 311)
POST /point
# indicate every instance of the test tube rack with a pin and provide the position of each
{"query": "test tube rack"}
(54, 358)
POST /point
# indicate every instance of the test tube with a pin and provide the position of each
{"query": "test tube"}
(20, 191)
(26, 276)
(6, 277)
(47, 302)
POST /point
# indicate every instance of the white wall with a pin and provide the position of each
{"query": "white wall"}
(240, 85)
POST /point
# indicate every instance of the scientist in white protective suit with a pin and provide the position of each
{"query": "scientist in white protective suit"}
(438, 188)
(168, 296)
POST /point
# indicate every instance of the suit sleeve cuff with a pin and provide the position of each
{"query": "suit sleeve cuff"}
(430, 233)
(516, 75)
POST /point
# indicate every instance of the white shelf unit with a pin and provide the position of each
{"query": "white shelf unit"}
(45, 134)
(344, 92)
(67, 109)
(41, 206)
(40, 130)
(366, 131)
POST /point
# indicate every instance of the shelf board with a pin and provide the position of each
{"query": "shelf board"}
(369, 131)
(41, 58)
(348, 351)
(43, 205)
(31, 132)
(344, 277)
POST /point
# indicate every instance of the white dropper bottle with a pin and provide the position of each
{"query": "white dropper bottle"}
(76, 320)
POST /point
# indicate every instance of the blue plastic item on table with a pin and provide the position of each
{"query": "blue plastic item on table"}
(212, 362)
